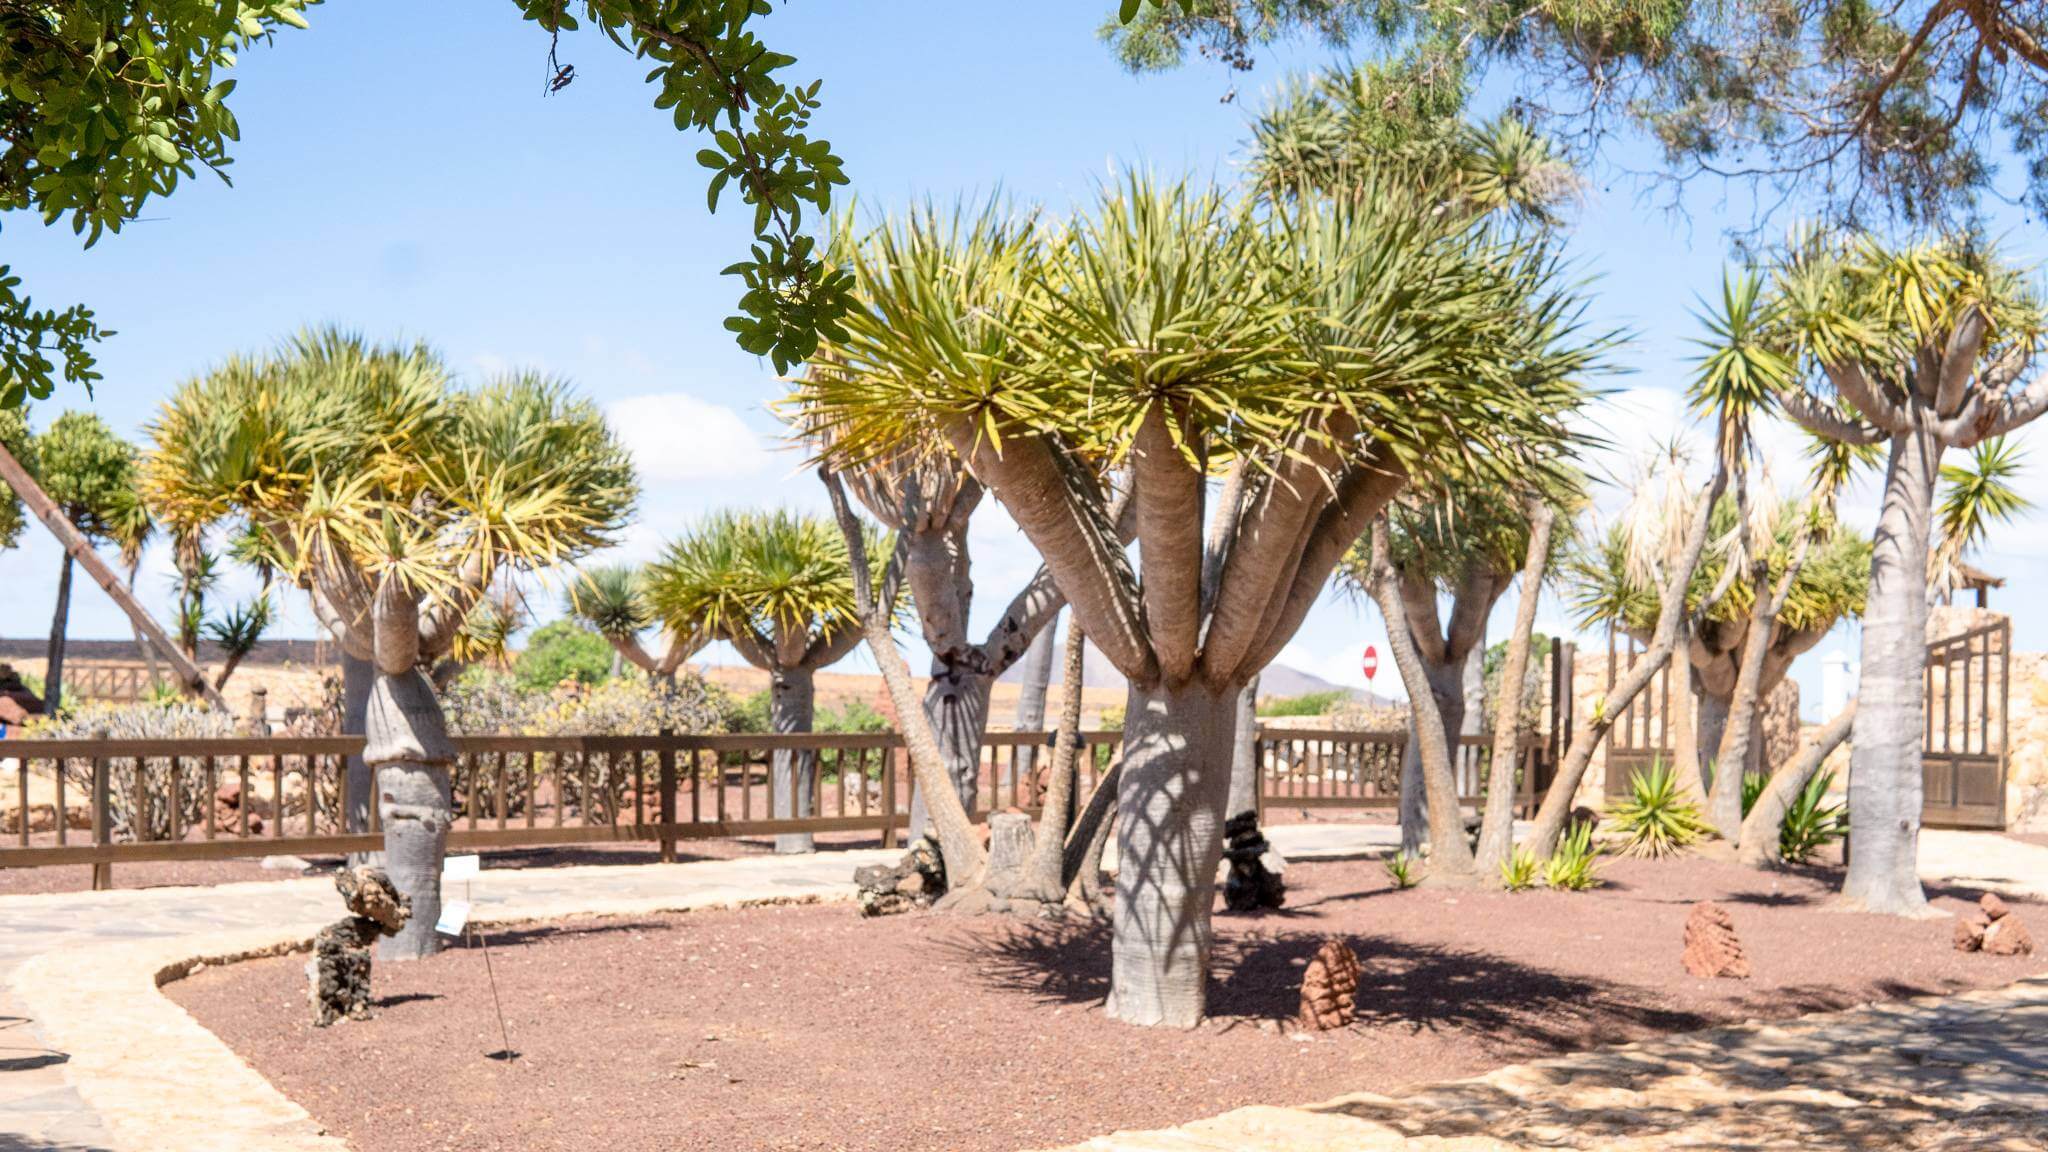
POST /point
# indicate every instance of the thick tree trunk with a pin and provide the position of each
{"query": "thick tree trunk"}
(1712, 728)
(1447, 687)
(60, 623)
(357, 678)
(1244, 756)
(1758, 844)
(1687, 700)
(956, 703)
(1036, 670)
(1497, 828)
(1170, 801)
(791, 705)
(1884, 764)
(407, 744)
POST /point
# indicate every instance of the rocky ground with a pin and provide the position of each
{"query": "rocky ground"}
(810, 1028)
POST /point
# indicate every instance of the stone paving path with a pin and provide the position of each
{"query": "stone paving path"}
(1963, 1074)
(92, 1059)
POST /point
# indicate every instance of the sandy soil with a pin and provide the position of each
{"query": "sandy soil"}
(808, 1028)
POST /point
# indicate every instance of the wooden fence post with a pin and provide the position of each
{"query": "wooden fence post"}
(889, 797)
(667, 760)
(102, 829)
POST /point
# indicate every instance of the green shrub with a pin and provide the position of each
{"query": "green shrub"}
(1518, 872)
(1306, 704)
(1574, 866)
(1656, 820)
(563, 650)
(1400, 869)
(1812, 823)
(748, 714)
(855, 715)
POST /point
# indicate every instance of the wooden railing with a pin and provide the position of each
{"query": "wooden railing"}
(106, 801)
(1334, 768)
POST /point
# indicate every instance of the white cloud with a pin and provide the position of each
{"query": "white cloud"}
(676, 436)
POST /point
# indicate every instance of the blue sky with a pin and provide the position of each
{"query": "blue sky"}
(401, 172)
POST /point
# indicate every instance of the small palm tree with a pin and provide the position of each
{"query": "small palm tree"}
(1461, 539)
(941, 292)
(89, 472)
(395, 499)
(778, 587)
(1975, 495)
(1312, 360)
(1921, 349)
(612, 600)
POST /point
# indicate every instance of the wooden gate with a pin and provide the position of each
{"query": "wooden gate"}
(1642, 735)
(1963, 747)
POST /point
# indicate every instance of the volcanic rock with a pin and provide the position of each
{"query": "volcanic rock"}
(1329, 988)
(1712, 950)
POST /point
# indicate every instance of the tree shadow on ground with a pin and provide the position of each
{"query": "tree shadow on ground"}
(1403, 985)
(1955, 1075)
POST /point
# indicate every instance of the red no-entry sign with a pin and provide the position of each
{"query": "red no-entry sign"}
(1372, 661)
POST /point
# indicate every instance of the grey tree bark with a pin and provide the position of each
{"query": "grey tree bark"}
(792, 775)
(1557, 802)
(1436, 709)
(1885, 784)
(1244, 755)
(60, 624)
(358, 677)
(1170, 800)
(1497, 828)
(406, 743)
(1036, 669)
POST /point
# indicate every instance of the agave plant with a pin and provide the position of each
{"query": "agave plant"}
(1655, 819)
(1519, 871)
(1575, 865)
(1812, 822)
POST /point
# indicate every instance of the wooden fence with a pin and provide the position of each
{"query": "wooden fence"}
(101, 802)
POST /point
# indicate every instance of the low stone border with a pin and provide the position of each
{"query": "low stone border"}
(160, 1082)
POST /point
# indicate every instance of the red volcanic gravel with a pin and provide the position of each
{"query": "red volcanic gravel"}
(809, 1028)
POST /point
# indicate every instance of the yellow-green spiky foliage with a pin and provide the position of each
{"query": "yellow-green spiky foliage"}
(361, 463)
(1311, 355)
(1448, 527)
(776, 584)
(1607, 589)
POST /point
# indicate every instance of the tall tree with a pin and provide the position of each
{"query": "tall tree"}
(1921, 348)
(942, 292)
(1461, 538)
(1667, 550)
(90, 473)
(395, 499)
(1853, 111)
(613, 600)
(1324, 353)
(778, 587)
